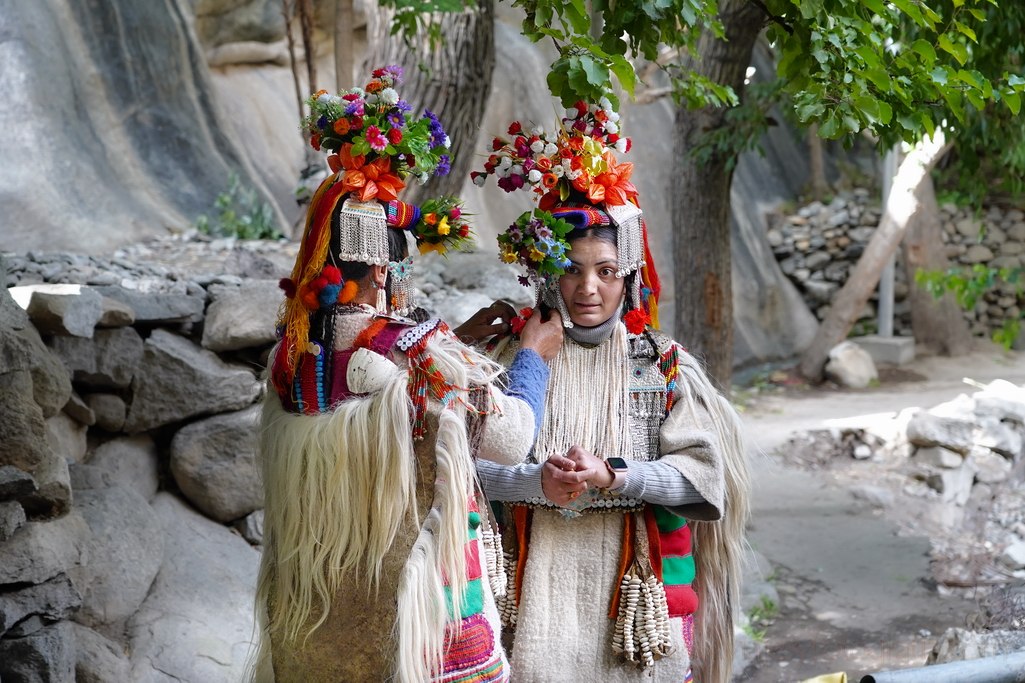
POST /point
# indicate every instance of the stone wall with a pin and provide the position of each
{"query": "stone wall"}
(130, 496)
(817, 247)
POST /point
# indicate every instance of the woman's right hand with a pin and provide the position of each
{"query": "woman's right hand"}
(561, 482)
(544, 337)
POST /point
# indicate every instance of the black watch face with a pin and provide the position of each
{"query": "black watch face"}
(617, 464)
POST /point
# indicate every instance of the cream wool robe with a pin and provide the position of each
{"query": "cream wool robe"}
(563, 632)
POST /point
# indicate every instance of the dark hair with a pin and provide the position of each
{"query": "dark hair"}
(605, 233)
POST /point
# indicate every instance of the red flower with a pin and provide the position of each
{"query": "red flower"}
(315, 142)
(395, 136)
(515, 128)
(516, 324)
(497, 144)
(636, 320)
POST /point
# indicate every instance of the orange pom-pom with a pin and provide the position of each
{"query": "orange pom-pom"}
(309, 299)
(348, 292)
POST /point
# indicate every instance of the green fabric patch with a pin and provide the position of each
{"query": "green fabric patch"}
(665, 520)
(678, 571)
(473, 600)
(474, 519)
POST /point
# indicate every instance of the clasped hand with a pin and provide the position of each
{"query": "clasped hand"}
(565, 477)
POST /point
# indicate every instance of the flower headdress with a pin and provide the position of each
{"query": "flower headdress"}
(577, 181)
(375, 146)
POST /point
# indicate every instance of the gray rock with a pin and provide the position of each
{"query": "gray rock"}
(821, 292)
(131, 462)
(959, 644)
(251, 527)
(198, 618)
(219, 22)
(110, 360)
(938, 456)
(77, 409)
(125, 550)
(60, 309)
(214, 463)
(242, 317)
(977, 253)
(52, 600)
(954, 486)
(14, 483)
(21, 349)
(115, 313)
(968, 227)
(42, 550)
(925, 430)
(990, 467)
(52, 497)
(12, 518)
(97, 658)
(998, 407)
(110, 411)
(1013, 556)
(45, 656)
(851, 366)
(66, 437)
(177, 380)
(999, 437)
(157, 307)
(85, 477)
(816, 260)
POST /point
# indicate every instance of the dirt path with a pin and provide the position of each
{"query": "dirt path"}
(854, 595)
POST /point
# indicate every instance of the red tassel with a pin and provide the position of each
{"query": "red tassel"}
(288, 285)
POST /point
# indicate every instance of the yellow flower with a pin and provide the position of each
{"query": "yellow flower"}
(443, 226)
(427, 247)
(594, 162)
(508, 257)
(536, 255)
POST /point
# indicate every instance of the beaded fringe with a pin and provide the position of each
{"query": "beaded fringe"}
(363, 232)
(641, 634)
(588, 400)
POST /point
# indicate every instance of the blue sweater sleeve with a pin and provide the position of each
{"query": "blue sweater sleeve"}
(528, 380)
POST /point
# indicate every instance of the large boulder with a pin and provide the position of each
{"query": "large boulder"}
(43, 550)
(107, 361)
(242, 317)
(131, 462)
(21, 349)
(197, 622)
(97, 658)
(46, 655)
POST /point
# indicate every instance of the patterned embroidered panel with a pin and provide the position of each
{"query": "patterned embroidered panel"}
(647, 398)
(474, 646)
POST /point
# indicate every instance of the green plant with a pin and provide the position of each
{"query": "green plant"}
(760, 617)
(240, 213)
(968, 284)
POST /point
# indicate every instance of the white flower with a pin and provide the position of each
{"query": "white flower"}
(537, 147)
(389, 96)
(551, 149)
(621, 145)
(611, 128)
(324, 99)
(446, 142)
(479, 180)
(504, 162)
(558, 170)
(613, 116)
(605, 104)
(571, 113)
(502, 171)
(335, 99)
(516, 170)
(573, 175)
(537, 130)
(422, 177)
(534, 176)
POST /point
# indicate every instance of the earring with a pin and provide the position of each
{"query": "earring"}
(382, 299)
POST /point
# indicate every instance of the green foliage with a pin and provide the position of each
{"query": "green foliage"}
(421, 16)
(240, 213)
(968, 284)
(897, 69)
(760, 617)
(745, 125)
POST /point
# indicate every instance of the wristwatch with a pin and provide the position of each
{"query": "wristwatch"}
(618, 468)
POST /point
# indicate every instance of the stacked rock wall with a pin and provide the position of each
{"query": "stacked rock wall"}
(818, 246)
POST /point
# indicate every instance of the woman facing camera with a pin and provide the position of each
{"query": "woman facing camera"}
(624, 528)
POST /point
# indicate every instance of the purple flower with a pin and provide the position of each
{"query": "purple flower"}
(523, 280)
(444, 165)
(528, 164)
(515, 234)
(396, 72)
(354, 108)
(402, 105)
(506, 184)
(322, 122)
(437, 132)
(542, 232)
(396, 119)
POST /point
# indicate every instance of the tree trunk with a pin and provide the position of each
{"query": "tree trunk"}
(453, 81)
(306, 25)
(816, 163)
(851, 299)
(344, 59)
(700, 199)
(288, 12)
(938, 323)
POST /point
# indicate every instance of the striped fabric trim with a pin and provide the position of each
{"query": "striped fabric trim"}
(672, 558)
(581, 216)
(475, 645)
(473, 598)
(401, 215)
(493, 672)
